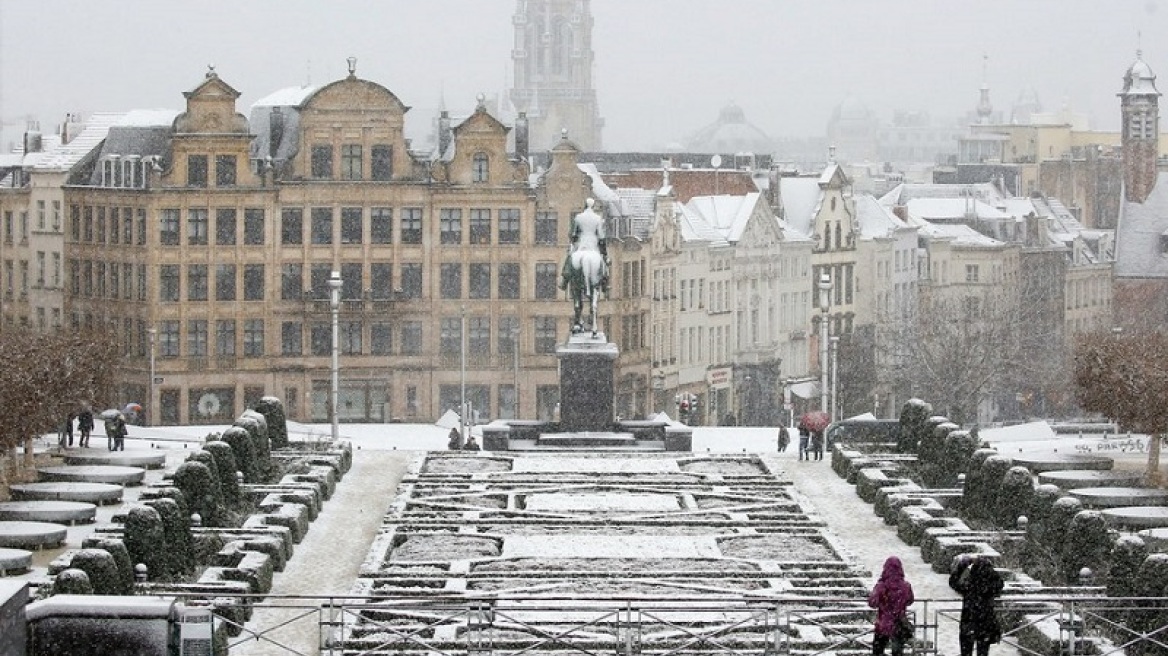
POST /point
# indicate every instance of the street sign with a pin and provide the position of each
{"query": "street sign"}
(158, 380)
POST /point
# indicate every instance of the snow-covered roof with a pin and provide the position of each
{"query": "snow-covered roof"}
(958, 233)
(874, 219)
(65, 156)
(726, 214)
(67, 605)
(286, 97)
(953, 209)
(695, 228)
(145, 118)
(801, 198)
(902, 193)
(1139, 233)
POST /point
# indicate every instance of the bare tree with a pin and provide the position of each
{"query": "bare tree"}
(1123, 375)
(957, 350)
(45, 375)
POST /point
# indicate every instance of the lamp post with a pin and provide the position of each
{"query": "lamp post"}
(834, 377)
(824, 306)
(151, 403)
(462, 412)
(334, 284)
(515, 343)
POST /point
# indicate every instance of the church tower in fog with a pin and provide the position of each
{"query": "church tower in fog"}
(1140, 103)
(552, 62)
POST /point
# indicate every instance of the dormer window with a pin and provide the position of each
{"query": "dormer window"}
(480, 168)
(225, 170)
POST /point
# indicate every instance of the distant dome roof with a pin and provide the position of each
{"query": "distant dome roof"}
(731, 133)
(852, 109)
(1139, 78)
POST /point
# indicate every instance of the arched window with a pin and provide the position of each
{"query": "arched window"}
(561, 42)
(480, 168)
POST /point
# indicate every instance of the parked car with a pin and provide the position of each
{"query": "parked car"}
(863, 430)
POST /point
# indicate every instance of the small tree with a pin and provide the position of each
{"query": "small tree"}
(1124, 375)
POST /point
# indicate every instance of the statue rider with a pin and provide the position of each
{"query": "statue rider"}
(586, 234)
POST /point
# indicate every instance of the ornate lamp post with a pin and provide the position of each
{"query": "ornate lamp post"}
(824, 306)
(334, 284)
(462, 410)
(834, 377)
(152, 404)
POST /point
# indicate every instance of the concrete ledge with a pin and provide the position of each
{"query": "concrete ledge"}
(15, 561)
(59, 512)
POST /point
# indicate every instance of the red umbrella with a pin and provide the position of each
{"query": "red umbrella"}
(814, 421)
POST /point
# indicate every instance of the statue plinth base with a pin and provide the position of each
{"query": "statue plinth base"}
(586, 387)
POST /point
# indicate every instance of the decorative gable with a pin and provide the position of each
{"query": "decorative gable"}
(211, 109)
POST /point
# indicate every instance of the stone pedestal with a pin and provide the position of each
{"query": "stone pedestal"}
(586, 386)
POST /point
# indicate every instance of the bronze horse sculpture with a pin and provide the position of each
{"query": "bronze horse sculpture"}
(585, 271)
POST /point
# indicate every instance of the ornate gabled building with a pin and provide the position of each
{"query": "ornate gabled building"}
(552, 72)
(208, 244)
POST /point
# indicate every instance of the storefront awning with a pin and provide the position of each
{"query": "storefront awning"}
(806, 390)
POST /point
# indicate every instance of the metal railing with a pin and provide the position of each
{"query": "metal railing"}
(725, 624)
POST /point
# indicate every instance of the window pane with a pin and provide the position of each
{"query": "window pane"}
(225, 337)
(291, 338)
(381, 280)
(545, 334)
(480, 281)
(168, 229)
(411, 342)
(480, 226)
(546, 228)
(253, 282)
(509, 280)
(197, 338)
(381, 225)
(381, 164)
(450, 336)
(321, 339)
(351, 161)
(352, 281)
(480, 168)
(322, 162)
(225, 170)
(253, 338)
(411, 225)
(225, 282)
(168, 283)
(450, 225)
(451, 280)
(545, 280)
(351, 228)
(509, 226)
(411, 280)
(253, 226)
(197, 282)
(225, 227)
(196, 170)
(292, 282)
(322, 225)
(197, 227)
(292, 225)
(380, 338)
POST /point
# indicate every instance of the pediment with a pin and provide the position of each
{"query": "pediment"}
(351, 93)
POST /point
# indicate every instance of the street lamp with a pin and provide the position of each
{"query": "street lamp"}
(462, 379)
(834, 377)
(515, 343)
(151, 402)
(824, 306)
(334, 284)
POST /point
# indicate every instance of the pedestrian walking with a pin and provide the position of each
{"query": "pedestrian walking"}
(979, 584)
(891, 597)
(804, 443)
(784, 439)
(84, 426)
(115, 432)
(65, 435)
(816, 445)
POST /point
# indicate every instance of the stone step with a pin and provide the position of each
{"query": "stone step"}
(587, 438)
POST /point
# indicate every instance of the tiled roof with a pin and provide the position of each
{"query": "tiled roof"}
(63, 157)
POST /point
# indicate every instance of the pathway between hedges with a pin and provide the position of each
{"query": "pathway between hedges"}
(327, 560)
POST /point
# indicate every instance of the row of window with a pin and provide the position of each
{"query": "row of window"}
(204, 337)
(352, 162)
(107, 225)
(42, 279)
(11, 227)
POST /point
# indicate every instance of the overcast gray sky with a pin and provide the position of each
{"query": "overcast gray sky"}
(663, 67)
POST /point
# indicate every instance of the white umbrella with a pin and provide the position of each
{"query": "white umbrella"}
(109, 415)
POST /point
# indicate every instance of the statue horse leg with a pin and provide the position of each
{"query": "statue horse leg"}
(593, 296)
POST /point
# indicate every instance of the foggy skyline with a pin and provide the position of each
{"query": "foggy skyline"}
(663, 68)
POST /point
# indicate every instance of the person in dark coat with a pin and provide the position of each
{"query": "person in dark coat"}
(455, 441)
(804, 441)
(66, 435)
(84, 426)
(978, 583)
(471, 444)
(816, 445)
(115, 432)
(784, 439)
(891, 598)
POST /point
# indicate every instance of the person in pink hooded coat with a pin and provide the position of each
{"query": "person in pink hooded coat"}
(891, 598)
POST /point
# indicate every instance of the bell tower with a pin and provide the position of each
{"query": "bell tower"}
(552, 72)
(1140, 105)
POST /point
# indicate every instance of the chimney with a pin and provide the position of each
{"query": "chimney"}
(275, 131)
(521, 135)
(901, 212)
(32, 137)
(444, 133)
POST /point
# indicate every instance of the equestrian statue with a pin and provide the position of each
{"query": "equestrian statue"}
(585, 270)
